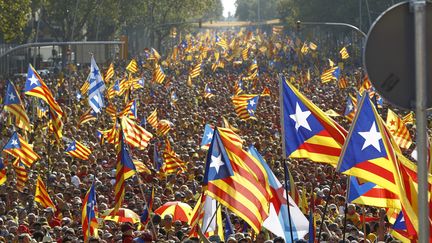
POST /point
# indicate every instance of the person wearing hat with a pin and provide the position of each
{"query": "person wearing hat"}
(127, 232)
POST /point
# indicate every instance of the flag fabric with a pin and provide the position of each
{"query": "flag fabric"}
(350, 108)
(141, 167)
(238, 87)
(195, 71)
(229, 229)
(307, 131)
(89, 221)
(148, 208)
(207, 136)
(330, 74)
(227, 124)
(368, 193)
(172, 163)
(245, 53)
(132, 66)
(312, 46)
(85, 87)
(89, 115)
(367, 152)
(14, 105)
(344, 53)
(3, 171)
(266, 92)
(245, 106)
(277, 221)
(109, 72)
(253, 66)
(163, 127)
(157, 160)
(55, 124)
(152, 119)
(134, 134)
(221, 42)
(304, 49)
(409, 118)
(42, 196)
(158, 74)
(343, 83)
(35, 86)
(208, 214)
(237, 180)
(21, 174)
(133, 112)
(125, 169)
(399, 229)
(78, 150)
(398, 130)
(18, 147)
(208, 92)
(97, 86)
(277, 29)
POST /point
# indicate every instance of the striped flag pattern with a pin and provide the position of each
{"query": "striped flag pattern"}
(132, 66)
(21, 174)
(85, 87)
(221, 42)
(109, 73)
(88, 116)
(42, 196)
(3, 172)
(195, 71)
(125, 169)
(56, 125)
(245, 105)
(78, 150)
(19, 148)
(344, 53)
(35, 86)
(330, 74)
(158, 74)
(134, 134)
(172, 164)
(237, 180)
(14, 105)
(153, 120)
(89, 221)
(397, 128)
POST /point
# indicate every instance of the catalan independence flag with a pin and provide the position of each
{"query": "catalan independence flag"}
(153, 120)
(245, 105)
(18, 147)
(368, 193)
(237, 180)
(3, 176)
(89, 115)
(42, 196)
(109, 72)
(330, 74)
(158, 74)
(195, 71)
(307, 131)
(368, 152)
(398, 130)
(221, 42)
(35, 86)
(78, 150)
(125, 169)
(344, 53)
(13, 104)
(21, 174)
(88, 216)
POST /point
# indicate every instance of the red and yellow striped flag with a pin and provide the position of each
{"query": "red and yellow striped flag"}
(134, 134)
(35, 86)
(21, 174)
(344, 53)
(42, 196)
(132, 66)
(78, 150)
(195, 71)
(398, 129)
(18, 147)
(110, 72)
(153, 120)
(158, 74)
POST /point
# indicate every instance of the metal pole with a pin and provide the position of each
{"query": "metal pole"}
(286, 174)
(36, 40)
(336, 24)
(259, 12)
(419, 8)
(360, 14)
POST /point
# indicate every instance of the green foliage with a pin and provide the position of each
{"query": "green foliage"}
(13, 18)
(247, 10)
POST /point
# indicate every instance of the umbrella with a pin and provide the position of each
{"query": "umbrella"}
(179, 211)
(123, 215)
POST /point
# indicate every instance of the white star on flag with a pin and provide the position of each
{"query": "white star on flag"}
(371, 137)
(33, 80)
(14, 142)
(209, 135)
(300, 118)
(11, 96)
(252, 102)
(216, 162)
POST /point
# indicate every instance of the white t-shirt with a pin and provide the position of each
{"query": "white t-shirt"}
(75, 180)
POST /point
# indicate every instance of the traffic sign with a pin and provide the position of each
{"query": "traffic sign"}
(389, 55)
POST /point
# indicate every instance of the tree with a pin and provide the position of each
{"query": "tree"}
(247, 10)
(13, 18)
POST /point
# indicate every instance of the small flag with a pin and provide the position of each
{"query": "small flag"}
(344, 53)
(78, 150)
(19, 148)
(97, 86)
(42, 196)
(89, 221)
(132, 66)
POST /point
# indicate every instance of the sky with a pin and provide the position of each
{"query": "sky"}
(228, 6)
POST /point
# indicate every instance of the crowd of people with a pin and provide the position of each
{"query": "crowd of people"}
(68, 179)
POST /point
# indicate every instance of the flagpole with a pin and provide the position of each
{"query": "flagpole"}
(346, 207)
(214, 215)
(287, 198)
(326, 205)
